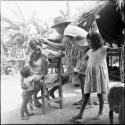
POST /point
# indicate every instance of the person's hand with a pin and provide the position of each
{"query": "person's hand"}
(44, 41)
(24, 86)
(37, 77)
(50, 56)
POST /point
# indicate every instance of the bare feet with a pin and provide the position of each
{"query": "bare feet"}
(30, 114)
(76, 117)
(25, 118)
(98, 117)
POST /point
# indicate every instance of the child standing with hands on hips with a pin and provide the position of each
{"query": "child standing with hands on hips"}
(97, 79)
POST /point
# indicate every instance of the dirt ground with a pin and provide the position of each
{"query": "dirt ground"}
(11, 100)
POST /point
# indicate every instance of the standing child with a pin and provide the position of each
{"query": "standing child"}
(27, 84)
(97, 79)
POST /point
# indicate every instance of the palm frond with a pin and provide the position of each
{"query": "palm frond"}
(36, 25)
(4, 47)
(62, 13)
(11, 23)
(6, 29)
(68, 9)
(86, 19)
(7, 20)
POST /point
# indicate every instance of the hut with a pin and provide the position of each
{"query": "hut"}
(108, 18)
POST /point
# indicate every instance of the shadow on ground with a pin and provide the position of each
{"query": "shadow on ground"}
(54, 114)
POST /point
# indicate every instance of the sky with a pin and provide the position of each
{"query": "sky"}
(45, 10)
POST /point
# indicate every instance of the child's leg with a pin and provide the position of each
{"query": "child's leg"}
(28, 98)
(101, 104)
(23, 106)
(37, 89)
(22, 110)
(79, 116)
(64, 78)
(82, 80)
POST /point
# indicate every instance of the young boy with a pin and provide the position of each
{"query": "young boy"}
(27, 84)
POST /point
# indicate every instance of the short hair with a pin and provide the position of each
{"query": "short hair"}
(25, 71)
(96, 40)
(34, 42)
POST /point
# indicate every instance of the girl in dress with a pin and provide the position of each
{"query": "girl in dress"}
(97, 79)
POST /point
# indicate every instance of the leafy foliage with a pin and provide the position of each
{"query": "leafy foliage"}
(86, 20)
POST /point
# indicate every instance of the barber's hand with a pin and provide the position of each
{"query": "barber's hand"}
(44, 41)
(36, 78)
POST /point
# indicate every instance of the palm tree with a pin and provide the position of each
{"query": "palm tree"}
(18, 33)
(66, 14)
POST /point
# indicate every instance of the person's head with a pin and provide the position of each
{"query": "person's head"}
(60, 24)
(25, 71)
(35, 43)
(94, 40)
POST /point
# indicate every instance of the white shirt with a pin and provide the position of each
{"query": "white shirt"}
(76, 32)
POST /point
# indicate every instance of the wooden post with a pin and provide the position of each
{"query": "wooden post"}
(60, 82)
(43, 98)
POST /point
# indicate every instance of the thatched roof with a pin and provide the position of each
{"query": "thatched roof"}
(86, 19)
(108, 17)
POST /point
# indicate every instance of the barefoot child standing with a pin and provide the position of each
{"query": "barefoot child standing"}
(27, 84)
(97, 79)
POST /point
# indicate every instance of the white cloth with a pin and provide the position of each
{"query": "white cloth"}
(97, 79)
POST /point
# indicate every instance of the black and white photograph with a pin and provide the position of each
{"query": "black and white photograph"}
(73, 54)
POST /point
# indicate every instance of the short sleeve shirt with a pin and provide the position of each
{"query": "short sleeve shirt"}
(75, 31)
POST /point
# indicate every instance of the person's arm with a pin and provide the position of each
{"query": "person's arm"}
(111, 49)
(106, 50)
(60, 46)
(56, 56)
(23, 85)
(54, 40)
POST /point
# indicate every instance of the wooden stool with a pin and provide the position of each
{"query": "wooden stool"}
(56, 63)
